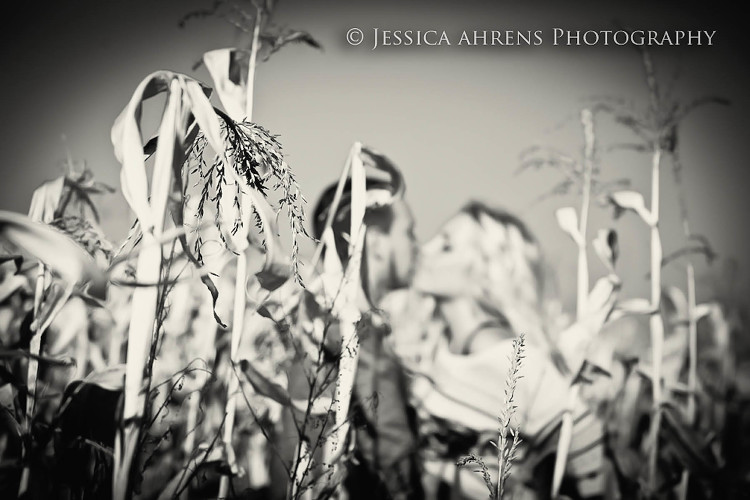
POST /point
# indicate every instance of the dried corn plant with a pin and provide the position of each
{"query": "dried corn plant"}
(590, 302)
(657, 128)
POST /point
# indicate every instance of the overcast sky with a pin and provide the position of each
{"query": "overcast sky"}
(455, 118)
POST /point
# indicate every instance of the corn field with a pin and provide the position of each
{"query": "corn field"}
(195, 320)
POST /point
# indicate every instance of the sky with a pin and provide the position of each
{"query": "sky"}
(454, 118)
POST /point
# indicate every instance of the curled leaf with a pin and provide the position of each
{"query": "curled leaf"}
(606, 247)
(228, 69)
(630, 200)
(567, 219)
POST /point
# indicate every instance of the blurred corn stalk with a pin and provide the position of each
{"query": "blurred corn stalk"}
(65, 204)
(694, 312)
(345, 307)
(70, 270)
(333, 288)
(593, 306)
(658, 130)
(566, 218)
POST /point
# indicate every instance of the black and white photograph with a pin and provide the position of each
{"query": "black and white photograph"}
(423, 250)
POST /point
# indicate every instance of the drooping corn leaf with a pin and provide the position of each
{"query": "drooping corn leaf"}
(45, 201)
(186, 96)
(276, 266)
(23, 353)
(567, 219)
(630, 200)
(702, 310)
(602, 298)
(635, 306)
(10, 284)
(374, 159)
(606, 247)
(188, 110)
(228, 69)
(128, 147)
(111, 378)
(266, 387)
(54, 249)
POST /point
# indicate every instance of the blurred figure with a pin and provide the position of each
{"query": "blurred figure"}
(480, 285)
(384, 464)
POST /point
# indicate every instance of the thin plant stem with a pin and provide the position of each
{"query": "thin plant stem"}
(588, 168)
(692, 365)
(238, 325)
(656, 323)
(251, 67)
(566, 427)
(240, 301)
(35, 348)
(692, 345)
(36, 344)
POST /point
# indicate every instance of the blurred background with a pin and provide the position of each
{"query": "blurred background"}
(455, 119)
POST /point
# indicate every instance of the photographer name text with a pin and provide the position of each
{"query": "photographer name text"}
(380, 37)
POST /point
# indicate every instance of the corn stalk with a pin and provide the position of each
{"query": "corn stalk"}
(140, 331)
(240, 294)
(185, 98)
(587, 120)
(36, 342)
(346, 310)
(656, 323)
(692, 366)
(566, 428)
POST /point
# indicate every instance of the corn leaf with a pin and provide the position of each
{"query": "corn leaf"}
(54, 249)
(276, 268)
(636, 306)
(567, 219)
(228, 69)
(128, 147)
(45, 200)
(266, 387)
(606, 247)
(111, 378)
(630, 200)
(685, 443)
